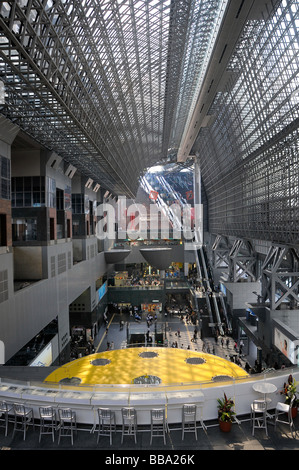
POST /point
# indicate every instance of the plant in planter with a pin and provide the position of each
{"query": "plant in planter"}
(289, 391)
(225, 413)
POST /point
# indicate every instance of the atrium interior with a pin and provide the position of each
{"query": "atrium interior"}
(149, 181)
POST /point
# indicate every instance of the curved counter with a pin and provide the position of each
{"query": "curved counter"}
(86, 400)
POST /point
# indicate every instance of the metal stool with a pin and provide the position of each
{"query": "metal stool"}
(48, 422)
(67, 423)
(189, 419)
(158, 424)
(129, 423)
(259, 415)
(107, 424)
(23, 417)
(285, 410)
(5, 409)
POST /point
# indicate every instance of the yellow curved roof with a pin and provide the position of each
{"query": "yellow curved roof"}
(171, 365)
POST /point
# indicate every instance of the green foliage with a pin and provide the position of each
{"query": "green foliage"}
(225, 409)
(289, 391)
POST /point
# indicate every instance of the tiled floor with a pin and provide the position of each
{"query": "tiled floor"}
(173, 324)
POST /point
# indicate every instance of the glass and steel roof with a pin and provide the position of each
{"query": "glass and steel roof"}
(249, 152)
(109, 85)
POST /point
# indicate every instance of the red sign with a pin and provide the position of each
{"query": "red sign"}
(189, 195)
(153, 195)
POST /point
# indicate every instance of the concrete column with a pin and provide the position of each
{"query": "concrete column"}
(198, 213)
(8, 133)
(186, 269)
(197, 183)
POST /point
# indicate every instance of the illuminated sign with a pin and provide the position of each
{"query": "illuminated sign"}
(153, 195)
(288, 347)
(102, 291)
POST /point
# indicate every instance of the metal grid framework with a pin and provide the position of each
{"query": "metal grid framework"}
(102, 83)
(205, 18)
(249, 155)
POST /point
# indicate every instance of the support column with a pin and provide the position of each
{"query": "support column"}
(198, 211)
(197, 182)
(242, 262)
(220, 256)
(280, 277)
(237, 258)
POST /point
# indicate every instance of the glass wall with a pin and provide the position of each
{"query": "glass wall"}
(249, 155)
(24, 229)
(4, 178)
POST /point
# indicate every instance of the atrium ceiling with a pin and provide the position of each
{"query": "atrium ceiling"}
(110, 85)
(117, 86)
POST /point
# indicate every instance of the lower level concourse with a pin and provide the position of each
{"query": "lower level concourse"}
(59, 388)
(149, 224)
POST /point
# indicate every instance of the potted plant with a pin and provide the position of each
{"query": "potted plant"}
(290, 390)
(225, 413)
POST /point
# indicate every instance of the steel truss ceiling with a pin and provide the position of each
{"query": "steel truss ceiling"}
(249, 154)
(106, 84)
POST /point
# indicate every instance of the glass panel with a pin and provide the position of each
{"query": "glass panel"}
(19, 200)
(19, 184)
(28, 184)
(27, 199)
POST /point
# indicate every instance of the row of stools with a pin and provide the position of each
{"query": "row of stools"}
(23, 417)
(260, 415)
(158, 425)
(66, 422)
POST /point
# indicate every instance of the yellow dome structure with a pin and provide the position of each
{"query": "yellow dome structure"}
(165, 366)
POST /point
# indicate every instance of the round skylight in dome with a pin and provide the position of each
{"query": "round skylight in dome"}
(221, 378)
(100, 362)
(147, 380)
(195, 360)
(70, 381)
(148, 354)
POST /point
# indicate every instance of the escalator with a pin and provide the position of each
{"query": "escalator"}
(224, 310)
(212, 298)
(204, 280)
